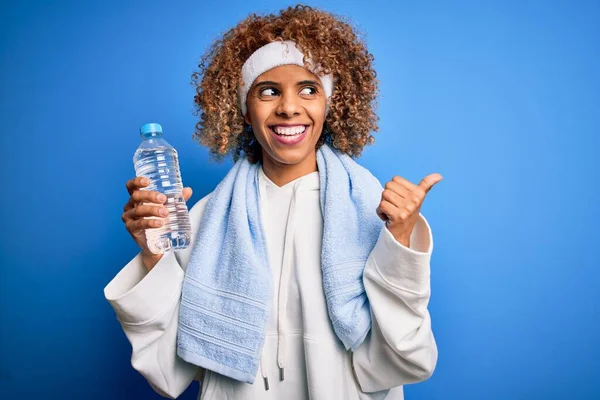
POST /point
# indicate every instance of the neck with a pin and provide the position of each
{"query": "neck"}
(281, 174)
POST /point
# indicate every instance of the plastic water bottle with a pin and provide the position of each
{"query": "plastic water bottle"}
(157, 160)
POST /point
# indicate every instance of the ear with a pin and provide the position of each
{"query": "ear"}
(247, 118)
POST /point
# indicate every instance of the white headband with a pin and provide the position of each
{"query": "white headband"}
(273, 55)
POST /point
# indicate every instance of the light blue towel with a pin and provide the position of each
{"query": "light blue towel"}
(227, 288)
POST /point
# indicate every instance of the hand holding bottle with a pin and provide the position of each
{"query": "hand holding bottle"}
(137, 210)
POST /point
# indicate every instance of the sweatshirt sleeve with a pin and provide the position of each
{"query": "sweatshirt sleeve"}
(400, 349)
(147, 307)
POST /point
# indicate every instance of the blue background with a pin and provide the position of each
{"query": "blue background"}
(502, 98)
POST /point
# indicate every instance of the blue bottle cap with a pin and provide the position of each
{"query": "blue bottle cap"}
(150, 128)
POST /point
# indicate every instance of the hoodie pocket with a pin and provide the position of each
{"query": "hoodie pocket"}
(325, 370)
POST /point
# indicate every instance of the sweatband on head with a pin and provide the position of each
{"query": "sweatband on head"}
(274, 55)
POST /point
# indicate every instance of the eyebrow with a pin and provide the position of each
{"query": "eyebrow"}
(309, 82)
(266, 83)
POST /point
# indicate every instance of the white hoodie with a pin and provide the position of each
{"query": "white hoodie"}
(300, 342)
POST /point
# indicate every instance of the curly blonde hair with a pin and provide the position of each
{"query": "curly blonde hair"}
(331, 41)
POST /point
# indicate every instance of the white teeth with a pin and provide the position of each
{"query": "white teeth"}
(289, 130)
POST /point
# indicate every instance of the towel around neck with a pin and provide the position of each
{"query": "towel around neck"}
(227, 288)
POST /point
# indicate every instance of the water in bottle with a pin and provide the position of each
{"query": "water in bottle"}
(156, 160)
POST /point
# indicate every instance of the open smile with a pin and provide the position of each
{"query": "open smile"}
(289, 134)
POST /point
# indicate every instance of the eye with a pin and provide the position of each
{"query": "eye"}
(309, 90)
(266, 92)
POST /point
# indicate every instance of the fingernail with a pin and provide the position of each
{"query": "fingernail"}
(144, 181)
(163, 212)
(161, 198)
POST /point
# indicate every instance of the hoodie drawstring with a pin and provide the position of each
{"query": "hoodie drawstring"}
(263, 372)
(283, 289)
(284, 282)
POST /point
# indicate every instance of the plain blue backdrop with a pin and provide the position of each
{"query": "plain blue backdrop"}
(502, 98)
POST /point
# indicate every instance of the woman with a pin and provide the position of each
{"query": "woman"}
(321, 290)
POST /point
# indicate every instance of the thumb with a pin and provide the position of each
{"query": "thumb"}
(430, 180)
(187, 193)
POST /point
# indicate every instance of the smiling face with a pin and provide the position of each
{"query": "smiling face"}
(286, 108)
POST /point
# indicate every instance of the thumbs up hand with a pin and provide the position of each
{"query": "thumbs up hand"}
(401, 203)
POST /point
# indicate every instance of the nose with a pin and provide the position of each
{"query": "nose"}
(288, 105)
